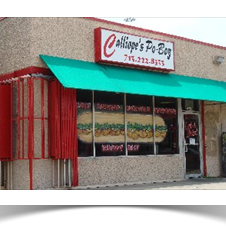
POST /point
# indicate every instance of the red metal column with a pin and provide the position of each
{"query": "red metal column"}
(5, 122)
(18, 118)
(31, 128)
(75, 150)
(11, 117)
(63, 125)
(43, 118)
(69, 130)
(54, 119)
(23, 127)
(74, 138)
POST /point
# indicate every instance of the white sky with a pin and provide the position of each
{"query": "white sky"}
(207, 29)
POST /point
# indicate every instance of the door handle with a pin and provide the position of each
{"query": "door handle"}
(186, 148)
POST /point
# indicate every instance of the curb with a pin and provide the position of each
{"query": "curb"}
(122, 184)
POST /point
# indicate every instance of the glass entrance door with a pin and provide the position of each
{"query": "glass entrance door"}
(192, 145)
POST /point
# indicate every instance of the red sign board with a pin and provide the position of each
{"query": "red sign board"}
(125, 49)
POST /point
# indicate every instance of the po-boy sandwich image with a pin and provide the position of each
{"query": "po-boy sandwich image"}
(110, 127)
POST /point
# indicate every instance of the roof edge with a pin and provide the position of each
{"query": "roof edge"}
(156, 32)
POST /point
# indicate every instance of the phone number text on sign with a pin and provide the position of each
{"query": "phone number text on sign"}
(144, 60)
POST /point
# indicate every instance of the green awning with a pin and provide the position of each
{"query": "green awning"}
(91, 76)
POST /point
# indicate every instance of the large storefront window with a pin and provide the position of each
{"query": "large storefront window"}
(166, 129)
(84, 123)
(109, 124)
(102, 130)
(139, 117)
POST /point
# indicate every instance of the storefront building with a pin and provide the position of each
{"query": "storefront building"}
(88, 102)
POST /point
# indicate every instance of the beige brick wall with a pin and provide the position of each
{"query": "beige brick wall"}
(215, 124)
(15, 44)
(64, 40)
(116, 170)
(20, 175)
(42, 174)
(25, 38)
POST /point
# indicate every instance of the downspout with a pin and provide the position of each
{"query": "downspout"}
(204, 139)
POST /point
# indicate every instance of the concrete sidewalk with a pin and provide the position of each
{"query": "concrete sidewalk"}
(189, 184)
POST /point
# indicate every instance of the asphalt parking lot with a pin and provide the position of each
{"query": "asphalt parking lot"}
(189, 184)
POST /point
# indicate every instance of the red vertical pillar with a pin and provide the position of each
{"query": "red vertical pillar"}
(54, 100)
(74, 139)
(5, 122)
(63, 125)
(69, 130)
(42, 117)
(31, 128)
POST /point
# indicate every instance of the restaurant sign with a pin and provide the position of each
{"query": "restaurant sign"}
(125, 49)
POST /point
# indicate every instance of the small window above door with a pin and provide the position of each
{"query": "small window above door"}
(188, 104)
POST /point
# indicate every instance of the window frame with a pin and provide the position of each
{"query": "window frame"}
(152, 98)
(177, 124)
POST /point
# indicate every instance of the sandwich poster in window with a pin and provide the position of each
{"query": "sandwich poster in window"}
(109, 123)
(109, 129)
(109, 126)
(84, 122)
(140, 128)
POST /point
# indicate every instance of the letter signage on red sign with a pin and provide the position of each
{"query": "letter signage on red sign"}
(125, 49)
